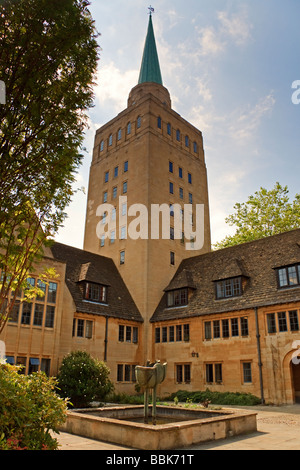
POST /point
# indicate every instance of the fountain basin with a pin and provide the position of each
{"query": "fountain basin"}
(182, 427)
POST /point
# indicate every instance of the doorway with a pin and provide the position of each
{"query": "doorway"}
(296, 381)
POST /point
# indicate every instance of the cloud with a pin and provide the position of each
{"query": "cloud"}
(210, 41)
(237, 27)
(114, 86)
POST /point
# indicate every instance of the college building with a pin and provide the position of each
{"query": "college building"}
(227, 320)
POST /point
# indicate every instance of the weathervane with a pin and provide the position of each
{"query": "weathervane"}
(151, 10)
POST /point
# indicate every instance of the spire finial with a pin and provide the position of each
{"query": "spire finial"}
(151, 10)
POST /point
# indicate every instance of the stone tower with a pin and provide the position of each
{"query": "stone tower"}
(147, 155)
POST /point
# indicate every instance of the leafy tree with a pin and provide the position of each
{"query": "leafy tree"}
(264, 214)
(48, 58)
(83, 379)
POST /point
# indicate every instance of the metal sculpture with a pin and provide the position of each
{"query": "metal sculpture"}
(149, 377)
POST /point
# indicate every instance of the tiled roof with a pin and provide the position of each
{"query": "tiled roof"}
(85, 266)
(255, 261)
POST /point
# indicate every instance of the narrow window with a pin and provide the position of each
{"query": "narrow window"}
(181, 193)
(282, 323)
(115, 190)
(170, 167)
(169, 129)
(171, 188)
(50, 313)
(102, 146)
(52, 290)
(178, 135)
(225, 328)
(172, 258)
(294, 324)
(135, 332)
(38, 315)
(178, 332)
(120, 373)
(88, 329)
(159, 122)
(195, 147)
(164, 334)
(106, 176)
(119, 134)
(247, 372)
(244, 326)
(271, 321)
(180, 172)
(116, 171)
(171, 334)
(129, 128)
(190, 198)
(186, 332)
(125, 167)
(125, 187)
(121, 333)
(234, 327)
(139, 122)
(189, 178)
(207, 330)
(122, 257)
(216, 328)
(157, 335)
(110, 140)
(187, 141)
(209, 373)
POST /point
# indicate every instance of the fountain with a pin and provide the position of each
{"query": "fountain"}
(171, 427)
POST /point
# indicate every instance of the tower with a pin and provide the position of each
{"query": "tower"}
(148, 155)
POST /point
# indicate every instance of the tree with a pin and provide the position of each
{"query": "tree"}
(83, 379)
(264, 214)
(48, 58)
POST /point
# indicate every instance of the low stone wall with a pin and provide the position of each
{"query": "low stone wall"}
(215, 426)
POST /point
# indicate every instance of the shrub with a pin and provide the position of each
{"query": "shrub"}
(83, 379)
(30, 409)
(217, 398)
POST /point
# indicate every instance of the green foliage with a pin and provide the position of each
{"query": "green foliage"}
(48, 59)
(217, 398)
(83, 379)
(265, 214)
(30, 409)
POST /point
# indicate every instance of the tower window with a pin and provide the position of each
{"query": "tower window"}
(115, 189)
(187, 141)
(122, 257)
(178, 135)
(110, 140)
(190, 198)
(171, 186)
(190, 178)
(116, 171)
(106, 176)
(119, 134)
(169, 128)
(170, 167)
(180, 172)
(102, 146)
(159, 122)
(181, 193)
(195, 147)
(129, 128)
(125, 167)
(172, 258)
(125, 187)
(105, 197)
(139, 122)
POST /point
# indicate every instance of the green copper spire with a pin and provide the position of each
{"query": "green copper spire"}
(150, 70)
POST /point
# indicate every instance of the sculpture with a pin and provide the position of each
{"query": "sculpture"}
(149, 377)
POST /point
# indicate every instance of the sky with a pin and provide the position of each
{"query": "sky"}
(229, 66)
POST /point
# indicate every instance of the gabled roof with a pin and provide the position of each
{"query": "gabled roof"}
(85, 266)
(150, 69)
(181, 280)
(256, 261)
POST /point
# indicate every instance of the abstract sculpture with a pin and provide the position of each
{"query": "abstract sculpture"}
(149, 377)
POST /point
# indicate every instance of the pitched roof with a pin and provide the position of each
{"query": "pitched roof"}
(255, 261)
(85, 266)
(150, 69)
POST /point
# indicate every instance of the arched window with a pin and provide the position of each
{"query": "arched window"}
(139, 122)
(129, 128)
(169, 128)
(178, 135)
(102, 146)
(187, 141)
(110, 140)
(119, 134)
(159, 122)
(195, 147)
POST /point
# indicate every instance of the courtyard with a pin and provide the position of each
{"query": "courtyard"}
(277, 429)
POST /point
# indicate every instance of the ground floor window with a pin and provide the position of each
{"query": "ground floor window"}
(183, 373)
(247, 372)
(82, 328)
(126, 373)
(213, 373)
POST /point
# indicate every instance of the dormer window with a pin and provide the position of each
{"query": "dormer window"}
(95, 292)
(288, 276)
(229, 288)
(177, 298)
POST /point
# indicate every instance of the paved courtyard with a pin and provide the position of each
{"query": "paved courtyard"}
(278, 428)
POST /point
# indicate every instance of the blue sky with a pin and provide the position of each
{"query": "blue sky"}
(229, 66)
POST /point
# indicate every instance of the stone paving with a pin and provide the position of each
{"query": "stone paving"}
(278, 428)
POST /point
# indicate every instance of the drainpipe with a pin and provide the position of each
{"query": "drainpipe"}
(105, 339)
(259, 357)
